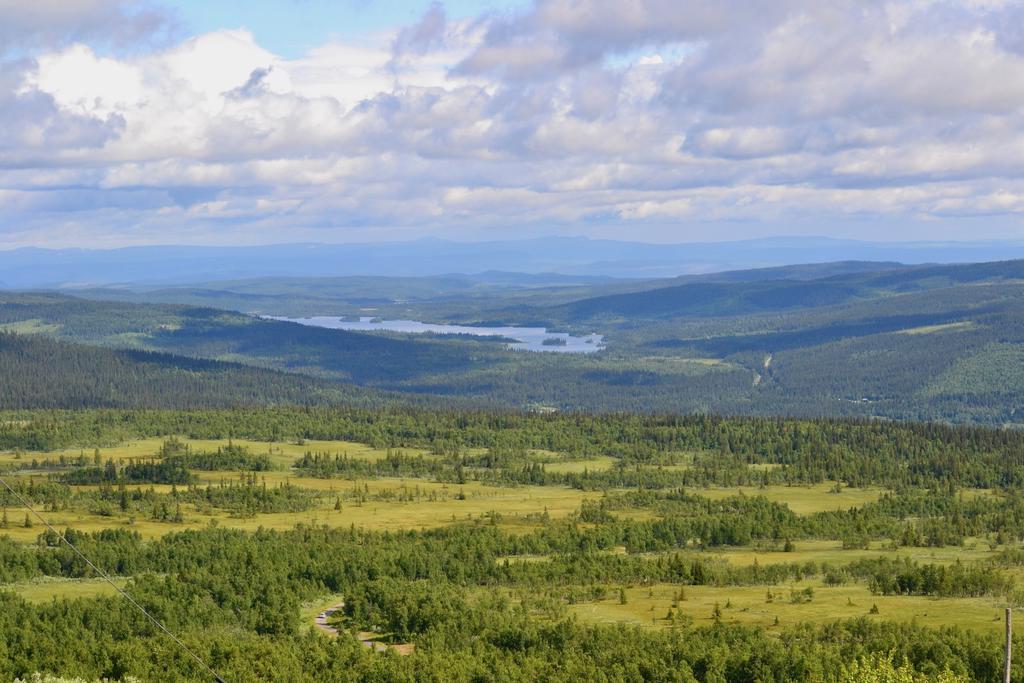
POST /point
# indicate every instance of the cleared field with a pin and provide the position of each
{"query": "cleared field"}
(598, 464)
(282, 454)
(434, 504)
(648, 607)
(803, 500)
(930, 329)
(395, 503)
(392, 503)
(32, 326)
(62, 589)
(833, 552)
(142, 448)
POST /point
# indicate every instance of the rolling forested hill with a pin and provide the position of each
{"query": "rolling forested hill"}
(774, 290)
(225, 335)
(299, 296)
(451, 296)
(867, 340)
(45, 373)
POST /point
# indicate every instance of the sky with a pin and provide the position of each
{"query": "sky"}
(214, 122)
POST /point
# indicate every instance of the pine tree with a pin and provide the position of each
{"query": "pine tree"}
(28, 521)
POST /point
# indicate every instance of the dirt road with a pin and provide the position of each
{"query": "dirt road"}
(322, 619)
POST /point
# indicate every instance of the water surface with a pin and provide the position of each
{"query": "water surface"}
(526, 338)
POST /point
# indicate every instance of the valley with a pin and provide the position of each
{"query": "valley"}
(465, 341)
(447, 498)
(858, 340)
(415, 523)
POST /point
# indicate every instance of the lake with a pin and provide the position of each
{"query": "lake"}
(527, 338)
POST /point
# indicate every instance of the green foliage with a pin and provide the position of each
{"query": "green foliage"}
(939, 343)
(48, 678)
(236, 597)
(858, 453)
(878, 669)
(44, 373)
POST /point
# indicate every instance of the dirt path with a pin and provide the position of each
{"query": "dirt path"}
(322, 619)
(767, 364)
(366, 638)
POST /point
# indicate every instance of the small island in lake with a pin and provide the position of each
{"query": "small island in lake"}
(554, 341)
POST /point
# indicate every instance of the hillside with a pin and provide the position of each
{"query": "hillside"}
(224, 335)
(907, 342)
(45, 373)
(762, 291)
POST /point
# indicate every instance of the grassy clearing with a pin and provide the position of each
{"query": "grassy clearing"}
(685, 365)
(142, 448)
(48, 589)
(648, 607)
(514, 505)
(282, 454)
(395, 504)
(598, 464)
(803, 500)
(833, 552)
(84, 521)
(973, 494)
(544, 455)
(931, 329)
(435, 504)
(33, 326)
(764, 466)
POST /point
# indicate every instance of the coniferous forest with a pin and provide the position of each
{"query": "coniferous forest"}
(460, 544)
(297, 503)
(941, 343)
(489, 341)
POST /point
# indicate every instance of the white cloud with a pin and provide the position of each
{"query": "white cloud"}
(639, 112)
(122, 23)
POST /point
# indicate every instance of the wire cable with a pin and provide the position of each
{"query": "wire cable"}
(24, 502)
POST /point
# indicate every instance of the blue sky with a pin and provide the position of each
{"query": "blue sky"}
(291, 27)
(661, 120)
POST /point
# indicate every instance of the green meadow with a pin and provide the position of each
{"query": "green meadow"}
(443, 533)
(398, 503)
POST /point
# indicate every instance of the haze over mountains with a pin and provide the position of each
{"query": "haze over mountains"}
(172, 265)
(850, 338)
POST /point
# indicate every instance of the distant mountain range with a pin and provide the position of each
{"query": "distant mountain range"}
(932, 342)
(774, 290)
(575, 256)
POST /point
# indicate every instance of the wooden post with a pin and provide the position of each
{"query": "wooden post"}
(1009, 645)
